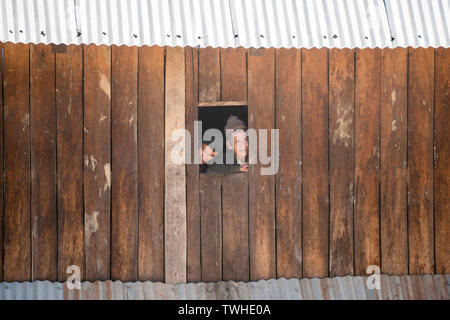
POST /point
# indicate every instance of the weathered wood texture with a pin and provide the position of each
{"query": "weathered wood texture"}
(233, 74)
(315, 162)
(151, 163)
(393, 205)
(43, 163)
(367, 126)
(234, 187)
(420, 160)
(261, 115)
(235, 227)
(342, 165)
(289, 177)
(194, 268)
(97, 161)
(175, 173)
(69, 123)
(124, 164)
(16, 124)
(211, 227)
(363, 175)
(210, 187)
(442, 163)
(1, 162)
(209, 74)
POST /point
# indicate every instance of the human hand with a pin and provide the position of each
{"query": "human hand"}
(206, 153)
(243, 167)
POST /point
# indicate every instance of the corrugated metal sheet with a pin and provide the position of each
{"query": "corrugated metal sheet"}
(338, 288)
(419, 23)
(228, 23)
(310, 23)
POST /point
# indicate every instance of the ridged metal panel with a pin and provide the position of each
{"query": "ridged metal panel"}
(419, 23)
(310, 23)
(228, 23)
(338, 288)
(120, 22)
(37, 290)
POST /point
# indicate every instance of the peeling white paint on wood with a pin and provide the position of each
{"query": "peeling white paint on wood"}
(394, 125)
(130, 122)
(105, 85)
(393, 97)
(25, 121)
(344, 125)
(107, 168)
(90, 225)
(90, 161)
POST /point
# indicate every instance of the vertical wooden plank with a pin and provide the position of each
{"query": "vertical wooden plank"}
(17, 243)
(261, 87)
(210, 187)
(1, 161)
(235, 227)
(151, 163)
(209, 74)
(69, 123)
(211, 227)
(289, 177)
(97, 161)
(394, 239)
(342, 156)
(442, 164)
(124, 204)
(367, 125)
(175, 174)
(420, 160)
(233, 74)
(192, 171)
(43, 163)
(235, 186)
(315, 162)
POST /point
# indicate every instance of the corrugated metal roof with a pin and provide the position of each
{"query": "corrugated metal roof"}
(419, 23)
(228, 23)
(310, 23)
(338, 288)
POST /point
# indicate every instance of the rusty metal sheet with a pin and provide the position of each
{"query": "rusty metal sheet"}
(338, 288)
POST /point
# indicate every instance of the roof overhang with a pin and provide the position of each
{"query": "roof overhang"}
(229, 23)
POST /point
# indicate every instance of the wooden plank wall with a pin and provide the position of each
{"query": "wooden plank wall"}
(69, 114)
(43, 163)
(315, 208)
(69, 128)
(341, 200)
(342, 159)
(235, 213)
(175, 173)
(363, 175)
(1, 162)
(151, 163)
(17, 263)
(97, 158)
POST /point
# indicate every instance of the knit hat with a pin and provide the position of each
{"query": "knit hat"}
(235, 123)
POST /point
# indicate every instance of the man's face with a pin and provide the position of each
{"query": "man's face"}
(240, 142)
